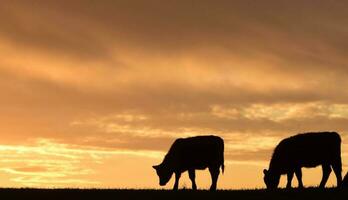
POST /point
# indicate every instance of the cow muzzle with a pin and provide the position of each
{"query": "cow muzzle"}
(162, 184)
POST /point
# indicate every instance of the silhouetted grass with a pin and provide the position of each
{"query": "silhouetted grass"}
(99, 194)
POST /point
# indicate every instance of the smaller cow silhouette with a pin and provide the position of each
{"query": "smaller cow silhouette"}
(189, 154)
(305, 150)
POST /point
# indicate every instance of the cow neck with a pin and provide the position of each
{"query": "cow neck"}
(168, 160)
(275, 167)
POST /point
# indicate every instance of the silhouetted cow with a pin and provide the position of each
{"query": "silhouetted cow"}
(305, 150)
(192, 153)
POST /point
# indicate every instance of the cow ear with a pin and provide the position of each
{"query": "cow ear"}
(265, 171)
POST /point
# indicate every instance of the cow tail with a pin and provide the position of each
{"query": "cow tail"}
(223, 160)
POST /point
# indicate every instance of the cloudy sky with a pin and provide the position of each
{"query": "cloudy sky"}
(93, 93)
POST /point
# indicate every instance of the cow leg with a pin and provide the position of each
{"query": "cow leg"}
(345, 181)
(298, 173)
(326, 174)
(214, 172)
(177, 177)
(192, 176)
(290, 176)
(337, 168)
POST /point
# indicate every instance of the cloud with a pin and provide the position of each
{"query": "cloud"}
(280, 112)
(29, 169)
(48, 162)
(238, 29)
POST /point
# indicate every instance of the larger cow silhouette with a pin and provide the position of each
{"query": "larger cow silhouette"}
(189, 154)
(305, 150)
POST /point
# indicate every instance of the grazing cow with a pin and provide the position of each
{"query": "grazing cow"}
(189, 154)
(305, 150)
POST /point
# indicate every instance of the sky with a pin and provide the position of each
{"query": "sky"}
(93, 93)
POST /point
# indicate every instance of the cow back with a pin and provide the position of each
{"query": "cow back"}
(307, 150)
(196, 152)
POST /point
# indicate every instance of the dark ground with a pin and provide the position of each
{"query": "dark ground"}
(308, 194)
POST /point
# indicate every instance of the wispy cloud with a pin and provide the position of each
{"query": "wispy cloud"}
(49, 163)
(282, 111)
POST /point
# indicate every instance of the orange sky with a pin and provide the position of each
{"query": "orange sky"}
(94, 93)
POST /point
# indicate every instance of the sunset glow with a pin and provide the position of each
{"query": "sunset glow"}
(93, 93)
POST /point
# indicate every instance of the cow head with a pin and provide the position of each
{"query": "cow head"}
(163, 173)
(271, 179)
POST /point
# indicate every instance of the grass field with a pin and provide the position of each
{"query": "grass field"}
(309, 193)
